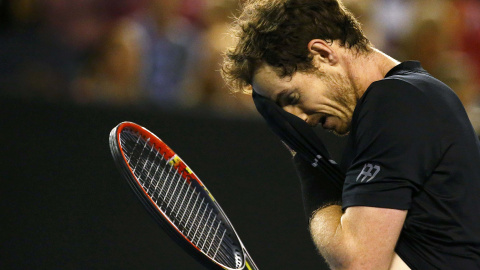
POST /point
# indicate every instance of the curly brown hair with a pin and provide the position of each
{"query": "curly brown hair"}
(277, 32)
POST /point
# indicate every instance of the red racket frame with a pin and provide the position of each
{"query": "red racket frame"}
(187, 174)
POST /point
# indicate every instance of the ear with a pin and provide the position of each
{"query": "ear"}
(322, 52)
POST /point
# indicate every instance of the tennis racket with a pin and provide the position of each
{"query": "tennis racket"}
(177, 199)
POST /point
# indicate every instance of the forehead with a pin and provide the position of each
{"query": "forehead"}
(267, 82)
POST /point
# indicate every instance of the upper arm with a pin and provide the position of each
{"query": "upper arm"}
(373, 233)
(363, 238)
(395, 147)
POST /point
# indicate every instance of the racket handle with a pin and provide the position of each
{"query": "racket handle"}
(249, 264)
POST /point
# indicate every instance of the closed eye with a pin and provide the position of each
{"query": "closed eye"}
(292, 98)
(287, 97)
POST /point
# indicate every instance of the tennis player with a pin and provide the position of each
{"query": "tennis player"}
(411, 192)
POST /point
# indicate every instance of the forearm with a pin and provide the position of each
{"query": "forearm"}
(327, 235)
(360, 238)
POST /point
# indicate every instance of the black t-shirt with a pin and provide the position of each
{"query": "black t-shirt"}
(412, 147)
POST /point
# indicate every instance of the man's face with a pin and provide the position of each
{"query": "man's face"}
(328, 99)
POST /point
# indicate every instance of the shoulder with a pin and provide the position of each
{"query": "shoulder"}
(395, 91)
(390, 99)
(395, 113)
(394, 100)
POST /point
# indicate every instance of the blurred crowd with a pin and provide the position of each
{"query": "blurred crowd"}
(166, 53)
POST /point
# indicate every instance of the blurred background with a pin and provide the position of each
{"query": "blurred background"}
(165, 54)
(71, 70)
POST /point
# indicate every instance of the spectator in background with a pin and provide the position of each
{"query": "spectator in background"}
(436, 42)
(166, 53)
(113, 73)
(444, 47)
(365, 11)
(184, 51)
(469, 38)
(393, 20)
(170, 44)
(469, 30)
(45, 42)
(112, 41)
(204, 81)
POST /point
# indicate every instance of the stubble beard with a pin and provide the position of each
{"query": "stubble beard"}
(344, 94)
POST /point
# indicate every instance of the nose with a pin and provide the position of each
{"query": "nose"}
(297, 112)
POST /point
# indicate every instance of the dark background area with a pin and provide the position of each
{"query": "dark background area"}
(64, 205)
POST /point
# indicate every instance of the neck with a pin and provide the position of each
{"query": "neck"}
(368, 68)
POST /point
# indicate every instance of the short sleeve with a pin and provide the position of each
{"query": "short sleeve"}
(394, 150)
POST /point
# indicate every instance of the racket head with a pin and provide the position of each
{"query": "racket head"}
(176, 198)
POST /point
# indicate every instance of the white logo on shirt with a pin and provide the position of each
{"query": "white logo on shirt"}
(317, 158)
(368, 172)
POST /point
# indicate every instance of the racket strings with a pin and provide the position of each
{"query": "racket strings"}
(200, 225)
(178, 199)
(196, 233)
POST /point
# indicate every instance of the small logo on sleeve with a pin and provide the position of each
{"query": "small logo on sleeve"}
(368, 172)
